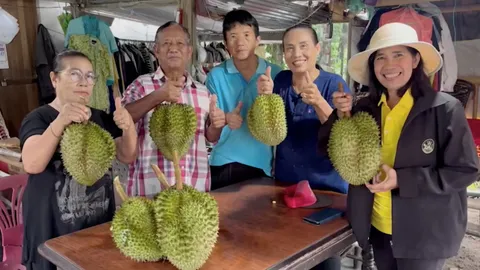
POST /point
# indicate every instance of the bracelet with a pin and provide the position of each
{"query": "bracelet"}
(51, 130)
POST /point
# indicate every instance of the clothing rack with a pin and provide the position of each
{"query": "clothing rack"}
(148, 43)
(135, 58)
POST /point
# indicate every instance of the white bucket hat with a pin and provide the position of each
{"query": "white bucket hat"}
(393, 34)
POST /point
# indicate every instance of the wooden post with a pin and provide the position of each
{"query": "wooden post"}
(189, 20)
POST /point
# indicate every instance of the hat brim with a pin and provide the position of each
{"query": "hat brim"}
(358, 64)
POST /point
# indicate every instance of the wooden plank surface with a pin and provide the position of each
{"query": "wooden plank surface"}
(254, 234)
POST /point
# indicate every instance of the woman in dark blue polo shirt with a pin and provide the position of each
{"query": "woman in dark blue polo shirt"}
(307, 93)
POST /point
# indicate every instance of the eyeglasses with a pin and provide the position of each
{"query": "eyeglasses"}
(77, 76)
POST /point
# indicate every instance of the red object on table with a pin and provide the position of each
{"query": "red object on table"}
(299, 195)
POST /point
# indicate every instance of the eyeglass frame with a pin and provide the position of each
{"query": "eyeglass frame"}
(79, 73)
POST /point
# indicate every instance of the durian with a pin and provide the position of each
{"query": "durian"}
(134, 228)
(267, 120)
(188, 223)
(172, 128)
(354, 147)
(87, 152)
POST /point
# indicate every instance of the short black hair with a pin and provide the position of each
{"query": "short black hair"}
(419, 83)
(301, 26)
(172, 23)
(242, 17)
(58, 64)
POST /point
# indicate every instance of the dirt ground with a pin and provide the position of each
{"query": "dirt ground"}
(469, 255)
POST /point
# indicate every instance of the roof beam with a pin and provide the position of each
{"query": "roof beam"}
(268, 36)
(460, 8)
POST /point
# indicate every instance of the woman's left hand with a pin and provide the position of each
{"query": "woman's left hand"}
(388, 184)
(122, 118)
(309, 92)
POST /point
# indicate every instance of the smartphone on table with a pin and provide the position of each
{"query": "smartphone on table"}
(323, 216)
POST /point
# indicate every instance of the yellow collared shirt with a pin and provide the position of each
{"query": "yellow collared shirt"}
(392, 124)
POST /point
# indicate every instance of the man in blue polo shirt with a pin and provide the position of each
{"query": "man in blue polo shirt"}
(238, 156)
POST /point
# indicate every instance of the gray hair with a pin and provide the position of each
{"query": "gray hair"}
(172, 23)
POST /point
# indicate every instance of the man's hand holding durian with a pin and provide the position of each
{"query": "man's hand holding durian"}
(172, 89)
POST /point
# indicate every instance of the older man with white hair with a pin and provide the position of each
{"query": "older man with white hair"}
(171, 83)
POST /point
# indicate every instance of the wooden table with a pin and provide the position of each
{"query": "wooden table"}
(254, 234)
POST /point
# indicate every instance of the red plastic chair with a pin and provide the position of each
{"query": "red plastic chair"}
(11, 225)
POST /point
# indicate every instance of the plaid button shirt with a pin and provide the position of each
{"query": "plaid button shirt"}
(142, 180)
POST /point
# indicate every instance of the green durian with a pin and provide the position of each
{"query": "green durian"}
(188, 224)
(267, 120)
(172, 128)
(134, 228)
(354, 148)
(87, 152)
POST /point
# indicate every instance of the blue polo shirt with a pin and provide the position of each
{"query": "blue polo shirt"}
(239, 145)
(297, 157)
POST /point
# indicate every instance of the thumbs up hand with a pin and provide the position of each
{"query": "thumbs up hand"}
(121, 116)
(217, 116)
(265, 83)
(309, 92)
(234, 118)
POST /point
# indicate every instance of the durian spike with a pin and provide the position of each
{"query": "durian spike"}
(340, 89)
(178, 173)
(161, 177)
(119, 189)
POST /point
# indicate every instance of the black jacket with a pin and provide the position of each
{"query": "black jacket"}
(45, 56)
(435, 162)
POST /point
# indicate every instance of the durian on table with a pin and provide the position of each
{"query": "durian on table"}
(87, 152)
(267, 120)
(354, 147)
(134, 228)
(187, 220)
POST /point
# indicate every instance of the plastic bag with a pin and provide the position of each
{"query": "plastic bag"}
(299, 195)
(9, 28)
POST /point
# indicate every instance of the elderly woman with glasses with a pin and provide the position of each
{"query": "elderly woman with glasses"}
(54, 203)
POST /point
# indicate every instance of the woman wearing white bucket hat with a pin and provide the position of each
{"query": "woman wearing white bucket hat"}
(414, 214)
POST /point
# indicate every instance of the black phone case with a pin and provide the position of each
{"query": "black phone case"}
(323, 216)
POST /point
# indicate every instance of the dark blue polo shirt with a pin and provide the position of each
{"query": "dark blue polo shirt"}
(297, 157)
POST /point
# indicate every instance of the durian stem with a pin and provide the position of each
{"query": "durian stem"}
(178, 173)
(161, 177)
(340, 89)
(119, 189)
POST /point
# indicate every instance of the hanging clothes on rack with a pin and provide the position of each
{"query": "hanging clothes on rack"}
(445, 47)
(216, 53)
(44, 58)
(98, 54)
(134, 58)
(90, 26)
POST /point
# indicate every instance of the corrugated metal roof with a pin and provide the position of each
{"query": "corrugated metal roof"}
(272, 14)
